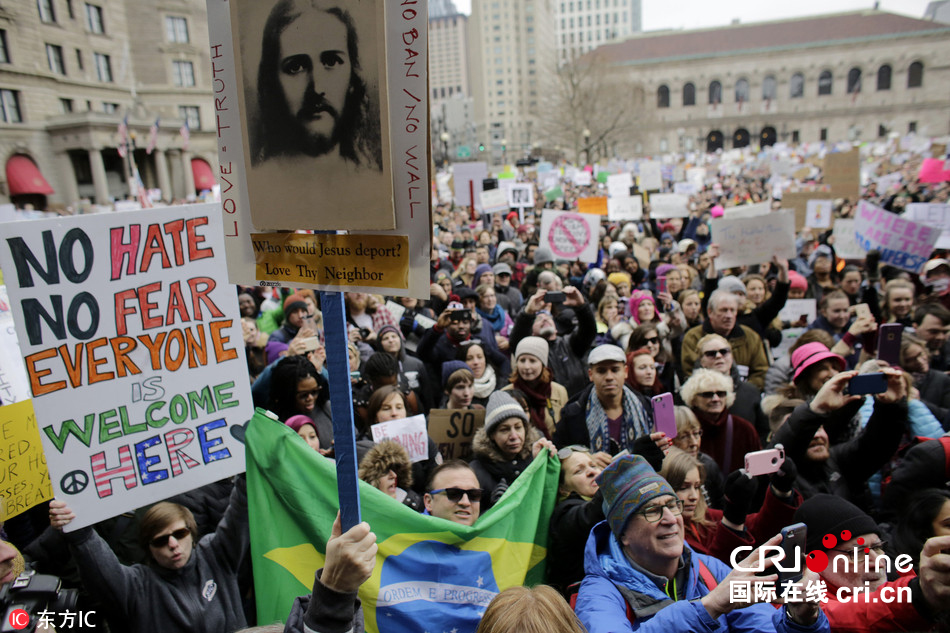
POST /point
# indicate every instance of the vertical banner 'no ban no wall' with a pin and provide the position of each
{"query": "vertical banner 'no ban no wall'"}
(134, 353)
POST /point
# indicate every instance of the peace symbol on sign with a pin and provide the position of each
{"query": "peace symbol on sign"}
(74, 482)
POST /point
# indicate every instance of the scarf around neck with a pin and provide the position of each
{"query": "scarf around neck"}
(495, 318)
(634, 423)
(539, 399)
(485, 385)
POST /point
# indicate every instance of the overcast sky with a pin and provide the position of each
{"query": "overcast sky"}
(693, 14)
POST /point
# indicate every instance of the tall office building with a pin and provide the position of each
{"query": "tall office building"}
(453, 125)
(513, 56)
(583, 25)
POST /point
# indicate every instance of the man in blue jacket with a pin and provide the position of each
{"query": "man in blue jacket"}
(642, 576)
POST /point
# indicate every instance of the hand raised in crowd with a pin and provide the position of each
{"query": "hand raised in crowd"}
(831, 396)
(351, 557)
(653, 448)
(536, 302)
(782, 264)
(783, 479)
(665, 298)
(738, 493)
(601, 460)
(438, 292)
(720, 600)
(299, 345)
(896, 386)
(863, 325)
(542, 444)
(934, 573)
(318, 357)
(60, 514)
(573, 297)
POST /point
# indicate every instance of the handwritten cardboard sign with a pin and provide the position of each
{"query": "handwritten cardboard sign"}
(668, 205)
(933, 214)
(625, 209)
(818, 213)
(903, 243)
(24, 479)
(453, 429)
(842, 172)
(793, 310)
(753, 240)
(846, 246)
(571, 235)
(410, 433)
(618, 185)
(798, 200)
(133, 348)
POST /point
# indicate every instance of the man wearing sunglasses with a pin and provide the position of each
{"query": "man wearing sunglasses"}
(454, 493)
(191, 584)
(642, 575)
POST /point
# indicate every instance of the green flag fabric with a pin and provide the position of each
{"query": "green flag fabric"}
(429, 571)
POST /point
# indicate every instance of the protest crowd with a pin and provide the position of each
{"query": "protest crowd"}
(564, 360)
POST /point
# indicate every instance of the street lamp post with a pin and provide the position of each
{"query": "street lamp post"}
(130, 159)
(504, 151)
(444, 137)
(586, 134)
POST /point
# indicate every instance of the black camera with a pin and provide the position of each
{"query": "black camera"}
(33, 593)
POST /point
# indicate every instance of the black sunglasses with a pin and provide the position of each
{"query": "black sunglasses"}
(455, 494)
(652, 339)
(712, 353)
(162, 541)
(710, 394)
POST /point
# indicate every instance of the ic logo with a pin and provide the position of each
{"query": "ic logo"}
(19, 619)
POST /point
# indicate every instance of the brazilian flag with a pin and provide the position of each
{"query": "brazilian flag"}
(429, 572)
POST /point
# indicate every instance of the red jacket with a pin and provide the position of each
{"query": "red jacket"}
(874, 615)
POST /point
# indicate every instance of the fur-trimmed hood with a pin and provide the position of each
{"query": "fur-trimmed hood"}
(484, 448)
(383, 457)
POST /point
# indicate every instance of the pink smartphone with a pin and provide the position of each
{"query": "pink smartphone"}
(764, 462)
(663, 416)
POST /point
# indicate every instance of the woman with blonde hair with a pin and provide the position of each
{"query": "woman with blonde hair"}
(898, 303)
(538, 609)
(688, 436)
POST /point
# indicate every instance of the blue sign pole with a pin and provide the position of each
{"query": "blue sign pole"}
(341, 406)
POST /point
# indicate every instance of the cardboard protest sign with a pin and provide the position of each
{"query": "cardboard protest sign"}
(650, 177)
(596, 205)
(842, 173)
(753, 240)
(748, 210)
(402, 184)
(846, 246)
(818, 213)
(452, 431)
(798, 201)
(903, 243)
(618, 185)
(795, 309)
(494, 201)
(521, 196)
(14, 386)
(24, 480)
(571, 235)
(582, 178)
(625, 209)
(410, 433)
(932, 214)
(468, 178)
(668, 205)
(134, 352)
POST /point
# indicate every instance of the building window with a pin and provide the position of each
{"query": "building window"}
(881, 130)
(663, 97)
(915, 75)
(191, 115)
(94, 19)
(854, 81)
(715, 93)
(10, 106)
(183, 74)
(796, 86)
(912, 127)
(79, 59)
(884, 77)
(823, 134)
(795, 136)
(66, 105)
(47, 12)
(176, 29)
(103, 67)
(824, 82)
(769, 88)
(69, 9)
(4, 51)
(689, 94)
(664, 145)
(742, 91)
(54, 56)
(109, 107)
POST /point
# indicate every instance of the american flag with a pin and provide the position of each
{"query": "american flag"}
(185, 135)
(123, 136)
(141, 191)
(152, 137)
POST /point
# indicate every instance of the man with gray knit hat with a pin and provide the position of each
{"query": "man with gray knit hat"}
(642, 575)
(860, 598)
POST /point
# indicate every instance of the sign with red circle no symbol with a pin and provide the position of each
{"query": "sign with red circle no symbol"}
(572, 236)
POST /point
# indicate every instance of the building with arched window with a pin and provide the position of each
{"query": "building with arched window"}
(853, 75)
(69, 78)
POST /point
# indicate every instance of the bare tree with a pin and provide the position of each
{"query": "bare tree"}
(585, 95)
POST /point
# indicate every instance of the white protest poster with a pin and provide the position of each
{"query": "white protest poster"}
(684, 188)
(933, 214)
(748, 210)
(650, 176)
(618, 185)
(818, 213)
(571, 235)
(494, 201)
(903, 243)
(696, 176)
(795, 309)
(134, 351)
(467, 178)
(753, 240)
(789, 336)
(668, 205)
(846, 246)
(625, 209)
(521, 196)
(582, 178)
(14, 386)
(410, 433)
(889, 181)
(254, 255)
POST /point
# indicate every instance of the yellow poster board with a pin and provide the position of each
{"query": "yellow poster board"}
(24, 479)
